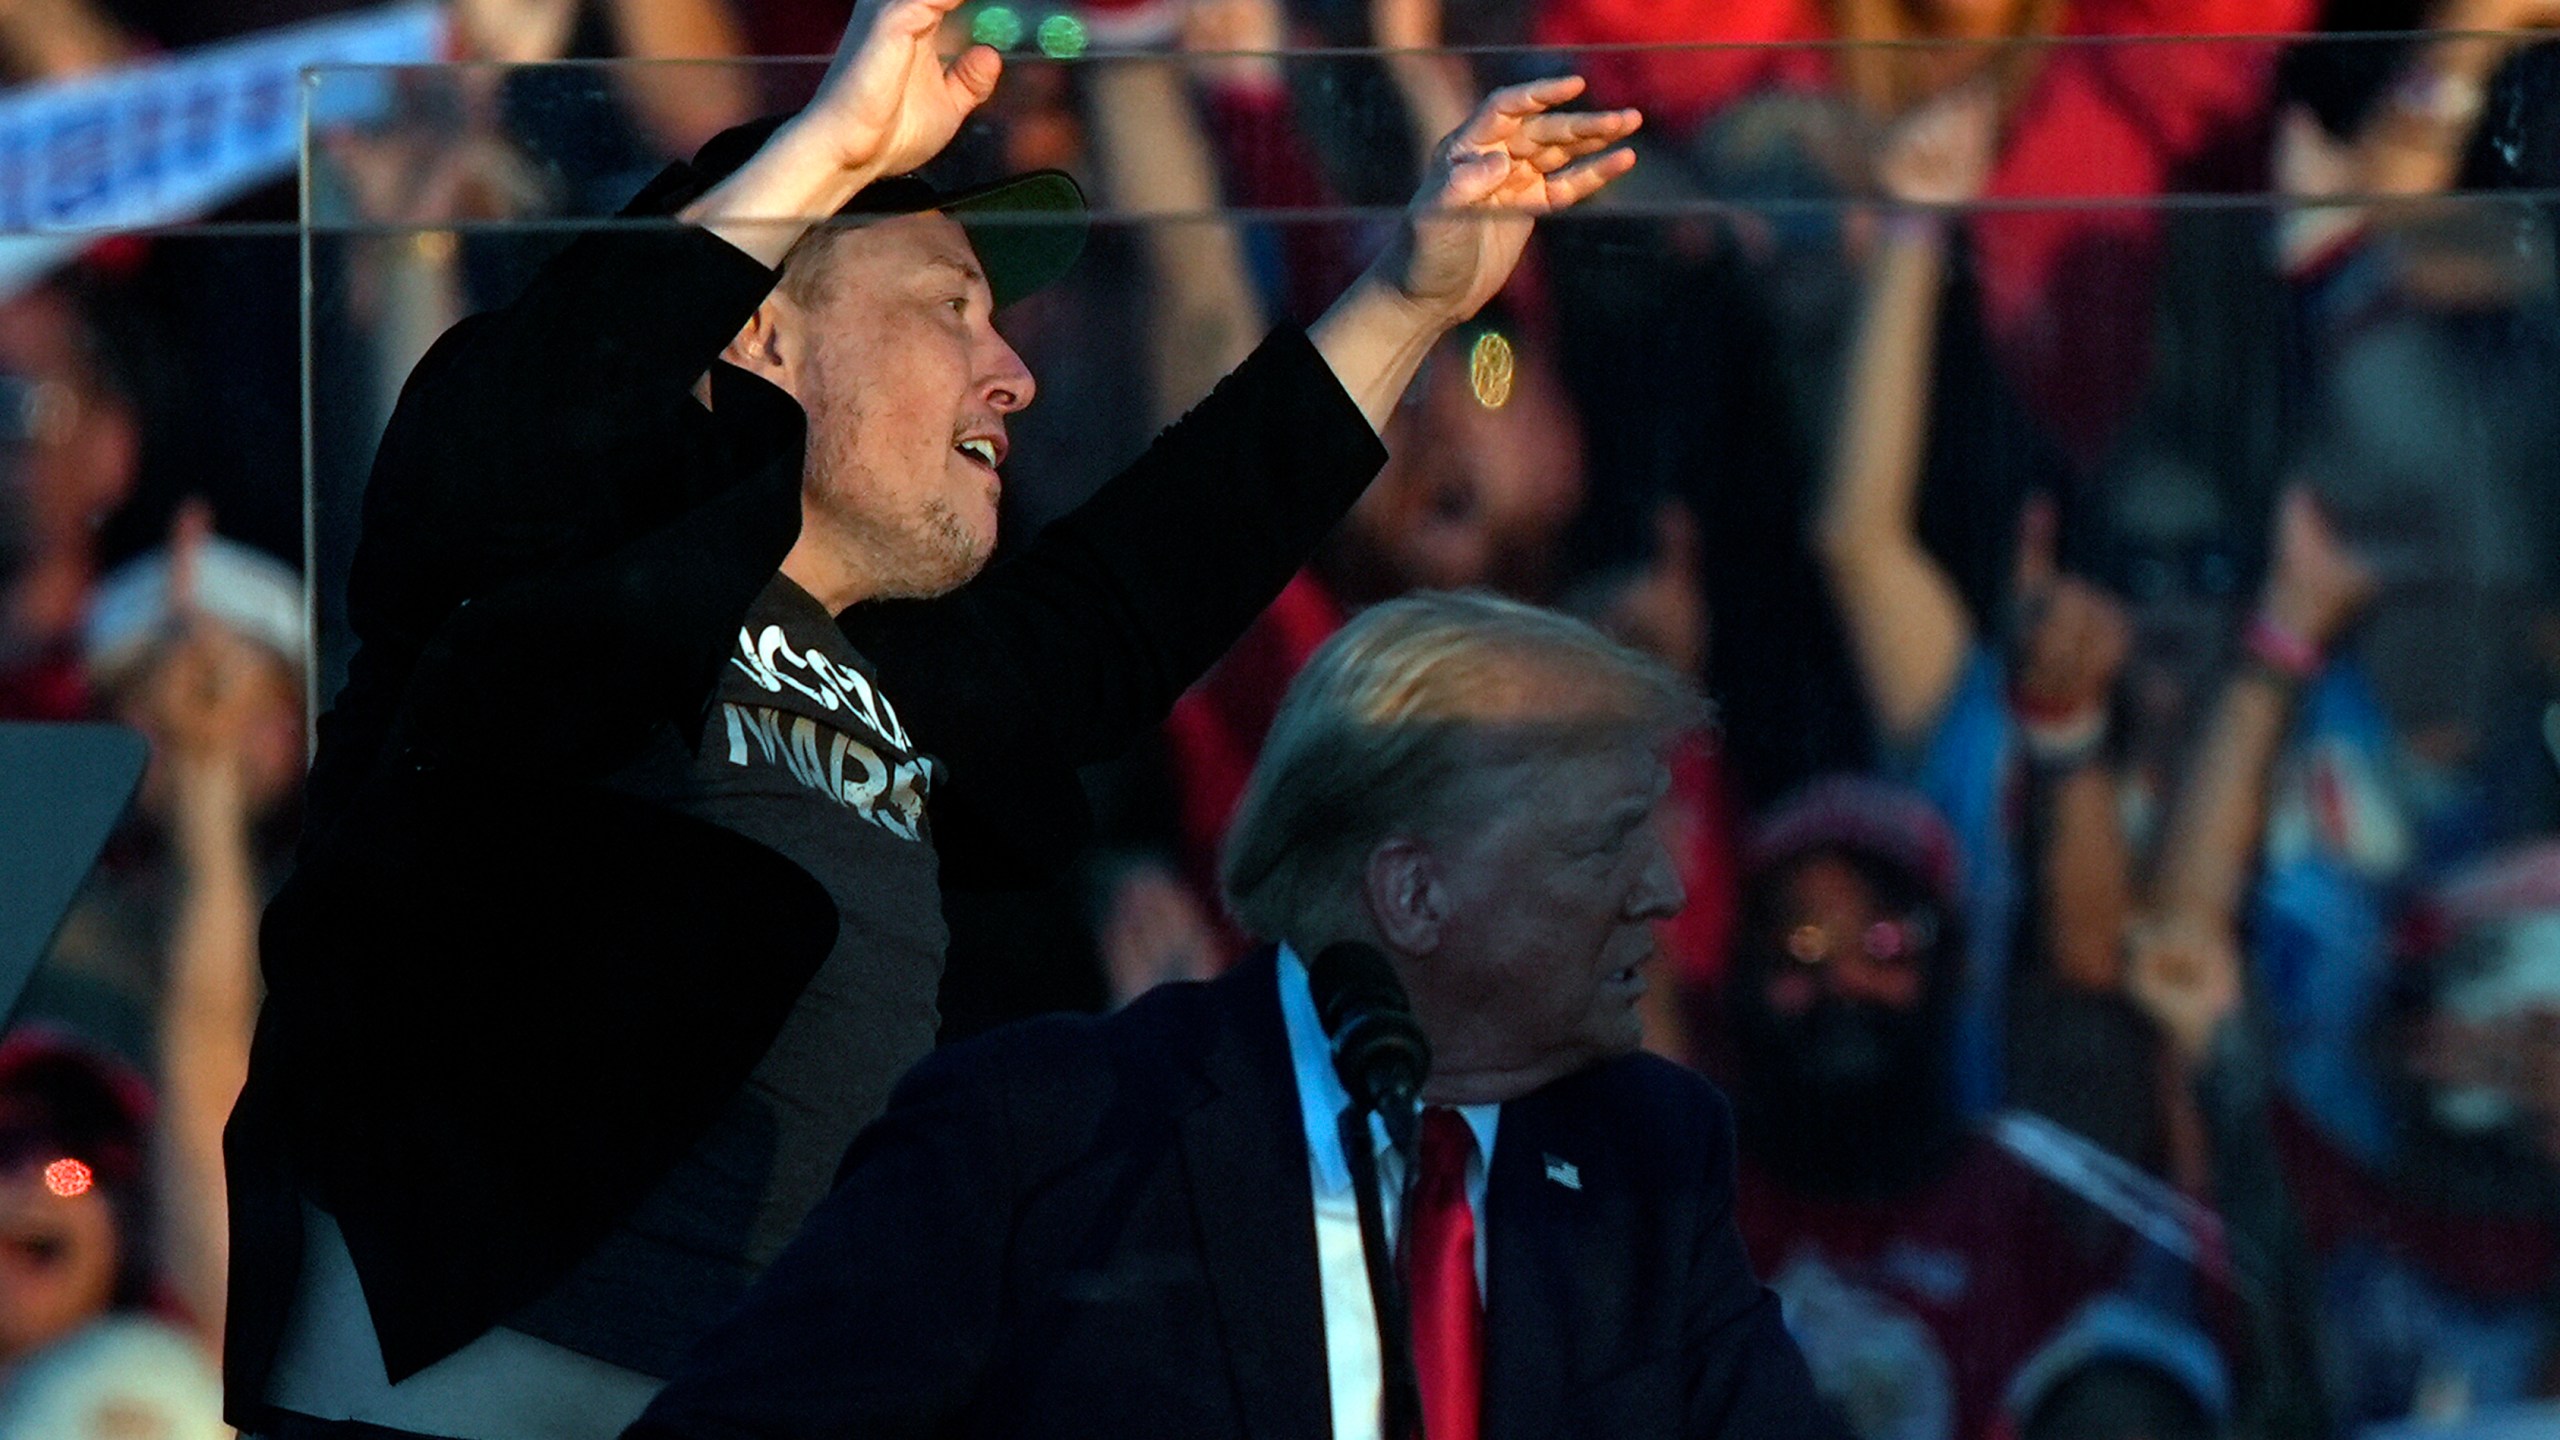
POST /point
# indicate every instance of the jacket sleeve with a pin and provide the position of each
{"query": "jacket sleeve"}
(880, 1319)
(540, 445)
(540, 433)
(1064, 653)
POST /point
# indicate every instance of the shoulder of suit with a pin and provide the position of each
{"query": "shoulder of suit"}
(1650, 1101)
(1054, 1057)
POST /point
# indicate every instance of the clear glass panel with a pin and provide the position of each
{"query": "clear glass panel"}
(1948, 446)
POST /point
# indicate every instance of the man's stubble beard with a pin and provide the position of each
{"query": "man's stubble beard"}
(908, 557)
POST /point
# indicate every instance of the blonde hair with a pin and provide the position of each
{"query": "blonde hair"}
(1407, 722)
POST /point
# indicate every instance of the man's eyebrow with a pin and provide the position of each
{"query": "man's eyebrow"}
(961, 268)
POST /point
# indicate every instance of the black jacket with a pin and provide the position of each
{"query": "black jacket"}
(502, 1000)
(1081, 1227)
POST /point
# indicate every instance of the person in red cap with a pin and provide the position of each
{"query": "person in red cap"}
(678, 691)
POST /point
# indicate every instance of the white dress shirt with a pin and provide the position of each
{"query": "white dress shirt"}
(1350, 1323)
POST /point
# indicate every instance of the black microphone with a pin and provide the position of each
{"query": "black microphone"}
(1378, 1047)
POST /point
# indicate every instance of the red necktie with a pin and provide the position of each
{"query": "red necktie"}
(1440, 1275)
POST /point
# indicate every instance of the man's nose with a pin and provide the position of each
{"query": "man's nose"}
(1660, 895)
(1009, 383)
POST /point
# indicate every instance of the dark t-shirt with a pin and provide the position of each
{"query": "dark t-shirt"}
(800, 751)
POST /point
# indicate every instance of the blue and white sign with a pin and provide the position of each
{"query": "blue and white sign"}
(153, 143)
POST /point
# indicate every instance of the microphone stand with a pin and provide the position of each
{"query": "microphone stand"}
(1403, 1397)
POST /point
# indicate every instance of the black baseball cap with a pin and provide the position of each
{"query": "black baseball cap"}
(1028, 229)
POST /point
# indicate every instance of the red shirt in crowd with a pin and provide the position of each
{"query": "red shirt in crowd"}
(1916, 1311)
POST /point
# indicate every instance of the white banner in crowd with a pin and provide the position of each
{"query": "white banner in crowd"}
(156, 142)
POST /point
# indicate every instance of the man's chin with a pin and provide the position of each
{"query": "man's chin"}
(936, 583)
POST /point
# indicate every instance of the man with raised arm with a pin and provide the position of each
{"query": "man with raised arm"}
(678, 688)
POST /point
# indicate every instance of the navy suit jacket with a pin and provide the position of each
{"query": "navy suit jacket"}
(1104, 1227)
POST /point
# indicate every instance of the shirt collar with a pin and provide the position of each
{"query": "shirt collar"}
(1320, 1093)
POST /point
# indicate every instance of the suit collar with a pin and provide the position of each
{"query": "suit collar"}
(1321, 1096)
(1244, 1157)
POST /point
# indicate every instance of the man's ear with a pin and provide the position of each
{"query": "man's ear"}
(1407, 901)
(763, 346)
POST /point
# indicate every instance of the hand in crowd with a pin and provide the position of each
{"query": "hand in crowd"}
(2072, 636)
(2316, 585)
(222, 733)
(412, 177)
(1512, 161)
(1661, 609)
(1942, 152)
(57, 39)
(2497, 15)
(890, 102)
(2184, 972)
(1155, 931)
(515, 32)
(1237, 41)
(1405, 24)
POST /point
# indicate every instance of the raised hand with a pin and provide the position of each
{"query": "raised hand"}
(2316, 585)
(2185, 974)
(1942, 153)
(1488, 181)
(2072, 636)
(890, 102)
(1156, 930)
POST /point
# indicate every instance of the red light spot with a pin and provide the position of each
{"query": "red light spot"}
(67, 1178)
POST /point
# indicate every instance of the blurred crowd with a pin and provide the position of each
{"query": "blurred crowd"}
(2109, 483)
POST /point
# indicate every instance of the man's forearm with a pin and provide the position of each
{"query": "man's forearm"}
(1374, 339)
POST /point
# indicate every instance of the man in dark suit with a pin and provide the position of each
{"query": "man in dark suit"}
(1144, 1225)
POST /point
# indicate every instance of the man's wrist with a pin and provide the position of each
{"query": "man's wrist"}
(1427, 318)
(1374, 339)
(801, 175)
(855, 159)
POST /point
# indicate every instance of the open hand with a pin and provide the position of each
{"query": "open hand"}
(1488, 181)
(890, 102)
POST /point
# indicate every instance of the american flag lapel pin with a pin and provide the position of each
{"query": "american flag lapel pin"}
(1564, 1173)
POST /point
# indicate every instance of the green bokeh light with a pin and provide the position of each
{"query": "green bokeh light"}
(999, 26)
(1062, 37)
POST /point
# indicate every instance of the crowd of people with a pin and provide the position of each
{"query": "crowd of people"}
(2123, 878)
